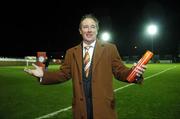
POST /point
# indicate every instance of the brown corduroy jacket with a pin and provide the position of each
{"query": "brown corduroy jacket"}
(106, 63)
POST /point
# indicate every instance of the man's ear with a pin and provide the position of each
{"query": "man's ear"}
(80, 31)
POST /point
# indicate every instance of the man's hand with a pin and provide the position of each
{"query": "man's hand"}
(140, 70)
(37, 72)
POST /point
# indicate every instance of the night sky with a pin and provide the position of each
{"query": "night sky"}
(31, 26)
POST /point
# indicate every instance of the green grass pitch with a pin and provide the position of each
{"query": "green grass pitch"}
(21, 96)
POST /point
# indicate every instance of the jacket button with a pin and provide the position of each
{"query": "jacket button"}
(80, 83)
(81, 99)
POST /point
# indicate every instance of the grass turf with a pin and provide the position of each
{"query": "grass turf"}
(21, 96)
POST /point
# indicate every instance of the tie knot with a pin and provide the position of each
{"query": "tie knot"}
(87, 47)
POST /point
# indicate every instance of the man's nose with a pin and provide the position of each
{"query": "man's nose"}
(89, 29)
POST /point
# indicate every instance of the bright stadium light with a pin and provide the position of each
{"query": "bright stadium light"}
(105, 36)
(152, 31)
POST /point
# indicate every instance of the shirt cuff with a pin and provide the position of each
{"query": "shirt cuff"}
(40, 79)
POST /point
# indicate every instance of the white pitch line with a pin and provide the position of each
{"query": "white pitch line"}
(146, 78)
(54, 113)
(68, 108)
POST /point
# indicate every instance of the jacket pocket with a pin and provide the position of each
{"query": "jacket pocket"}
(113, 104)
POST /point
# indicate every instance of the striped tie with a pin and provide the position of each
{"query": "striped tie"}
(86, 61)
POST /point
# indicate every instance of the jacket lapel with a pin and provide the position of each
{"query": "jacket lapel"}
(78, 57)
(98, 51)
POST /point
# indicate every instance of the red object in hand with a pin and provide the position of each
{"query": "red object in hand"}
(41, 58)
(143, 61)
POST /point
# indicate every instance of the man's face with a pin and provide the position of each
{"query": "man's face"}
(88, 30)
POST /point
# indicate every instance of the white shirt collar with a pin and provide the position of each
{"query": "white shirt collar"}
(92, 44)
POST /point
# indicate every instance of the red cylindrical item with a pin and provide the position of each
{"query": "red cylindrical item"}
(143, 61)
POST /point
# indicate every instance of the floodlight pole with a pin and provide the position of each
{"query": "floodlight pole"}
(152, 38)
(152, 31)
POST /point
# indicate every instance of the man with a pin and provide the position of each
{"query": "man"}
(91, 65)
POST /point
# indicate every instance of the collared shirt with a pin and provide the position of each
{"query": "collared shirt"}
(91, 49)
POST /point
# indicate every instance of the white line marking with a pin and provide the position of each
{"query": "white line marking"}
(68, 108)
(54, 113)
(146, 78)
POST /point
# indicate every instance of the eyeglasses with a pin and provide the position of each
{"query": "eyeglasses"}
(87, 27)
